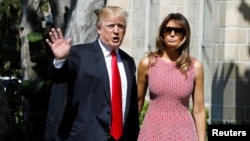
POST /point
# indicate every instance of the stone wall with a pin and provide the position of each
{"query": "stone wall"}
(230, 67)
(220, 39)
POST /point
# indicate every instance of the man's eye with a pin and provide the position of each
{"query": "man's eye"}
(110, 26)
(121, 26)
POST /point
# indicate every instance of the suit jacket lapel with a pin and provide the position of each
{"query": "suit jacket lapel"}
(129, 79)
(102, 68)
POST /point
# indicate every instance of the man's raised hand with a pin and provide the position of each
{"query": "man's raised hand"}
(59, 46)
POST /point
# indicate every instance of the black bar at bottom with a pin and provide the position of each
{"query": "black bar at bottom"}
(235, 132)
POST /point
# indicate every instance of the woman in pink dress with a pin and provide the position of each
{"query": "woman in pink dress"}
(172, 77)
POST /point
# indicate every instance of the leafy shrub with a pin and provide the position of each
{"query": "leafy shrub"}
(143, 112)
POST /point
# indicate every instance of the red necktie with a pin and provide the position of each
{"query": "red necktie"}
(116, 124)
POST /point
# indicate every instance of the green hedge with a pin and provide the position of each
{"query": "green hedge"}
(143, 112)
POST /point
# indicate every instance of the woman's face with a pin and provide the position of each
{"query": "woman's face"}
(173, 35)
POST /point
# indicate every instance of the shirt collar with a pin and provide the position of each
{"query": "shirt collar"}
(106, 51)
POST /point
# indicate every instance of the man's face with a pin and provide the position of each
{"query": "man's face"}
(112, 32)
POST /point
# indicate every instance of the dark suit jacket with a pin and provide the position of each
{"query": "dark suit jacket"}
(87, 114)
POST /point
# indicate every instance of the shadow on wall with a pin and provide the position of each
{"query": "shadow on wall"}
(242, 86)
(244, 9)
(243, 89)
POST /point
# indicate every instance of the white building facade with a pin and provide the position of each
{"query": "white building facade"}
(220, 39)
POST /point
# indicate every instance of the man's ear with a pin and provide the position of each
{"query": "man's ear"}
(98, 30)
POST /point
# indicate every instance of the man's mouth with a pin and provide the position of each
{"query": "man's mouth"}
(115, 39)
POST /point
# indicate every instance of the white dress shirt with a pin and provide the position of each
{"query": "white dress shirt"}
(107, 55)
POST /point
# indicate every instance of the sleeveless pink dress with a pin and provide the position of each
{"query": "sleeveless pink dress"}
(168, 117)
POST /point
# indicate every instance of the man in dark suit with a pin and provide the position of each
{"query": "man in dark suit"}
(86, 68)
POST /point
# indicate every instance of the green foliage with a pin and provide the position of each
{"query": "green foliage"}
(8, 7)
(34, 37)
(143, 112)
(10, 12)
(9, 49)
(45, 6)
(35, 93)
